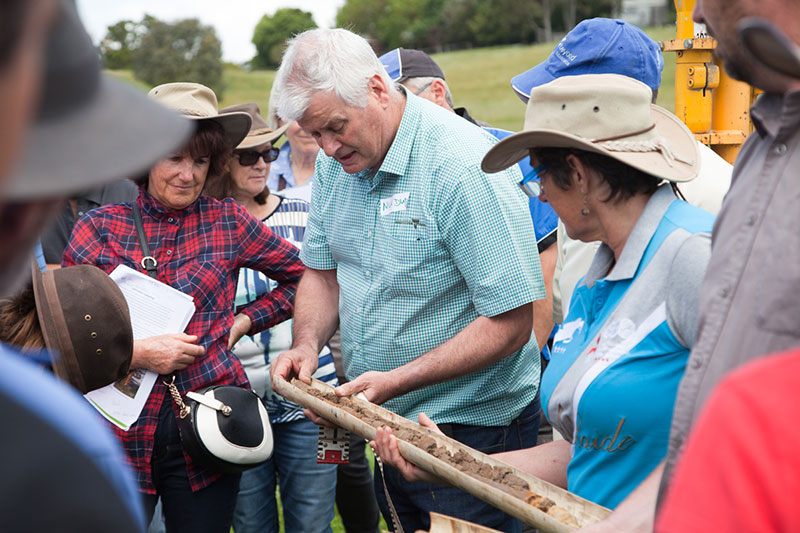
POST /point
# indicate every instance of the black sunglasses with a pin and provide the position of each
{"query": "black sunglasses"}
(249, 158)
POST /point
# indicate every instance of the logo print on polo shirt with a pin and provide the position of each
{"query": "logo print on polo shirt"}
(568, 330)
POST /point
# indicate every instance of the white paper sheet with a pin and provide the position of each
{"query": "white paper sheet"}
(155, 309)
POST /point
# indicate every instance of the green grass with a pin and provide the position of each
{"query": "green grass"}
(478, 78)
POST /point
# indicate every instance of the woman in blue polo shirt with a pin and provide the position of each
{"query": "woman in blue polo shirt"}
(602, 152)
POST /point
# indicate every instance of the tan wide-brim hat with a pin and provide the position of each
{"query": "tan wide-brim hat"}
(606, 114)
(90, 339)
(260, 132)
(197, 102)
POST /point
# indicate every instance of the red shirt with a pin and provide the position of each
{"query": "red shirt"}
(740, 469)
(199, 251)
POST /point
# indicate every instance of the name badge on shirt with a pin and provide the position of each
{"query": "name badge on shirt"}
(398, 202)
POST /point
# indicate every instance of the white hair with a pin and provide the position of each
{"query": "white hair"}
(325, 60)
(420, 81)
(272, 115)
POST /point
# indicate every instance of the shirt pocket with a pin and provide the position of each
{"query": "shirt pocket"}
(411, 257)
(778, 298)
(207, 279)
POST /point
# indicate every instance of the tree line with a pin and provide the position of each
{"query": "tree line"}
(158, 51)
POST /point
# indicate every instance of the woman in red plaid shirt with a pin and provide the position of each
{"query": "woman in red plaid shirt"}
(199, 244)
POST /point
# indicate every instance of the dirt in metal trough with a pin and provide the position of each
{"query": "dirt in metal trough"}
(501, 477)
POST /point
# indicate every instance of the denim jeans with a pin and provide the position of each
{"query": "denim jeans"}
(414, 501)
(210, 509)
(355, 495)
(307, 488)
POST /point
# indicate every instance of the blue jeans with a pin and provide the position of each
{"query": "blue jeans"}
(307, 488)
(209, 509)
(414, 501)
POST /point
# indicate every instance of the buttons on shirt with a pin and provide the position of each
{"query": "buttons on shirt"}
(169, 252)
(367, 273)
(359, 309)
(170, 219)
(677, 441)
(724, 291)
(369, 234)
(697, 362)
(751, 220)
(779, 149)
(357, 347)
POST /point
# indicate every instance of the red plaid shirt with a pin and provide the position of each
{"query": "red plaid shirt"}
(199, 252)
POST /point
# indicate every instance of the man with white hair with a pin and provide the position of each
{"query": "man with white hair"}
(428, 266)
(420, 74)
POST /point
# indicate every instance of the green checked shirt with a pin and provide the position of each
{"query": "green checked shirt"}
(421, 250)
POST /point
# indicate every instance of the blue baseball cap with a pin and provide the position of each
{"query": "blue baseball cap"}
(404, 63)
(597, 46)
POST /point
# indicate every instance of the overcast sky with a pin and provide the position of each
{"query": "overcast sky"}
(234, 20)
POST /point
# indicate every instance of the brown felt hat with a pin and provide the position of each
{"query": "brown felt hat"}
(85, 319)
(260, 132)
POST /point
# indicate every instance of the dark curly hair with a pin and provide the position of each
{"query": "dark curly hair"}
(623, 180)
(19, 322)
(208, 141)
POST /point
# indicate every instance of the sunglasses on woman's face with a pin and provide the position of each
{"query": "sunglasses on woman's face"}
(248, 158)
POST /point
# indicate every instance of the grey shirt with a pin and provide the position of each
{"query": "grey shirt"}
(750, 299)
(56, 237)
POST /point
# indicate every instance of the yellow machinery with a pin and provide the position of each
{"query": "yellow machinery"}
(715, 107)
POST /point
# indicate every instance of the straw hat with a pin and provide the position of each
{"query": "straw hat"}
(260, 132)
(606, 114)
(92, 335)
(198, 102)
(90, 129)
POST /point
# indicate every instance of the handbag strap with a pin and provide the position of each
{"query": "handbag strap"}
(148, 261)
(183, 409)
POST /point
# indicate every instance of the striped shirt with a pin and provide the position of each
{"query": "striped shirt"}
(422, 249)
(256, 351)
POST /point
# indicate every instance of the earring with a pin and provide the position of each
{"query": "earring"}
(585, 210)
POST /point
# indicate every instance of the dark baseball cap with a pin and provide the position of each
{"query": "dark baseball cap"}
(404, 63)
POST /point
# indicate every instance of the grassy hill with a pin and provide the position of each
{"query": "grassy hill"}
(478, 78)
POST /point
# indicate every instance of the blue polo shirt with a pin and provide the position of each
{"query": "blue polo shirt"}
(617, 360)
(422, 249)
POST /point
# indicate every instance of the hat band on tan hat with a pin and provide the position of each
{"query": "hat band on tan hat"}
(657, 144)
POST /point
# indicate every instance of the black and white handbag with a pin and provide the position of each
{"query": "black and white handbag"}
(224, 428)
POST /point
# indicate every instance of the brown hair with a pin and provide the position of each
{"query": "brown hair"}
(208, 141)
(623, 180)
(221, 187)
(19, 322)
